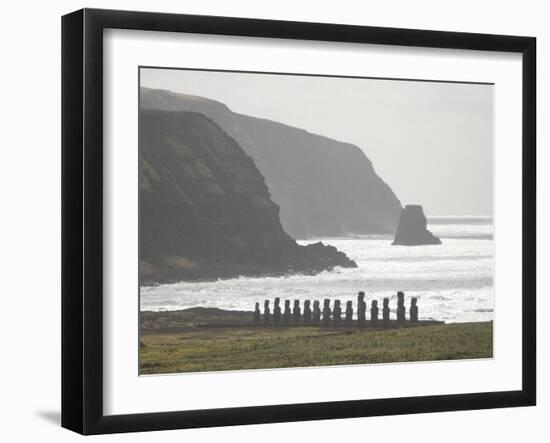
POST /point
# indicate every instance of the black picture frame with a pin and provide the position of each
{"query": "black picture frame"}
(82, 219)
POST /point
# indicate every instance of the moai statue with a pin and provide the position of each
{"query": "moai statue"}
(277, 311)
(296, 312)
(374, 311)
(326, 311)
(386, 310)
(414, 310)
(287, 313)
(349, 312)
(267, 314)
(337, 312)
(316, 316)
(257, 313)
(361, 308)
(307, 312)
(400, 307)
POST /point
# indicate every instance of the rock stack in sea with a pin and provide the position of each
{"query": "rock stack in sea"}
(412, 229)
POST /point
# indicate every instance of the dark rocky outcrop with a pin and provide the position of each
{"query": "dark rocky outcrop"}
(324, 188)
(412, 229)
(205, 210)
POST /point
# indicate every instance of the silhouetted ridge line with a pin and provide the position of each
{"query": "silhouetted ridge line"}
(324, 188)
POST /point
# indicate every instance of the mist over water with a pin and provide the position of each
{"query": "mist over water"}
(453, 281)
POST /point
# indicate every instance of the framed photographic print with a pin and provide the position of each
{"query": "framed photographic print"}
(269, 221)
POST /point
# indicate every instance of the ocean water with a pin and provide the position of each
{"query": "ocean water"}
(452, 281)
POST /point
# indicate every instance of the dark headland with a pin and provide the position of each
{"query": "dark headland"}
(205, 211)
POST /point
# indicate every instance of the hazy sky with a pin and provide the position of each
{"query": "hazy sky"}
(431, 142)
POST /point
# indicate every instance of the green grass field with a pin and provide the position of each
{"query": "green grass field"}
(184, 348)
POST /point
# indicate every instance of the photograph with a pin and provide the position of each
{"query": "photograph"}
(266, 222)
(300, 220)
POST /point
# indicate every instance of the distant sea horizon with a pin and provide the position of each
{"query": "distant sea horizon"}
(436, 219)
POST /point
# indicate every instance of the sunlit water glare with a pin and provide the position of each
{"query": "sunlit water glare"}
(453, 281)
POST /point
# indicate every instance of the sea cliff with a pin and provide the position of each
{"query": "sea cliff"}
(205, 210)
(324, 188)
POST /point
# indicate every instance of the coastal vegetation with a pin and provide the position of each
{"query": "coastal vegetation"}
(198, 340)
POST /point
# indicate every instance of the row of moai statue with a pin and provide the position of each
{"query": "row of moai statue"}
(333, 316)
